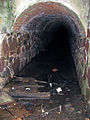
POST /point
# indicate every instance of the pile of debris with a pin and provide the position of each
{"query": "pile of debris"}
(31, 99)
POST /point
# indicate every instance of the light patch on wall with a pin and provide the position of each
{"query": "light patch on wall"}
(68, 4)
(1, 37)
(1, 40)
(1, 22)
(23, 5)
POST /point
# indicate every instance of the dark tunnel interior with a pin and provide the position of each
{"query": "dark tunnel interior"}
(59, 46)
(55, 55)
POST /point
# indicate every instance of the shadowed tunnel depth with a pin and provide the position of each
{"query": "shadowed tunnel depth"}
(55, 41)
(55, 53)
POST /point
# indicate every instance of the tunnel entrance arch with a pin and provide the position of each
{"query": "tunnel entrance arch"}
(42, 20)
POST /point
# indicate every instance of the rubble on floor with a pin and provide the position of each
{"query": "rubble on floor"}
(2, 82)
(63, 103)
(5, 98)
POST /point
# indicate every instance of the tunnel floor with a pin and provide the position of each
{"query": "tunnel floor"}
(54, 75)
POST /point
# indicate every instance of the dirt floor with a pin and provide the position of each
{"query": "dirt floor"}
(57, 80)
(66, 104)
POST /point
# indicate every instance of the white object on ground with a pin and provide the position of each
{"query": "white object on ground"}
(27, 88)
(59, 89)
(50, 84)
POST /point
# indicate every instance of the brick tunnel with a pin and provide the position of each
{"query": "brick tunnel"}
(52, 48)
(48, 44)
(56, 36)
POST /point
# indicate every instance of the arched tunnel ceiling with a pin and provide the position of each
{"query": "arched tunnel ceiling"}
(80, 7)
(47, 12)
(49, 22)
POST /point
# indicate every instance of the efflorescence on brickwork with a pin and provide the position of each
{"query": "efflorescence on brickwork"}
(13, 54)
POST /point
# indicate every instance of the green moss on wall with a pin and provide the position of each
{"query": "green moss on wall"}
(9, 10)
(84, 86)
(88, 93)
(6, 15)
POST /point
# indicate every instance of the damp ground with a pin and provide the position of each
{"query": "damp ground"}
(56, 78)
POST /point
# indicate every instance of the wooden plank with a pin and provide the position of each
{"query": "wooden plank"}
(27, 78)
(38, 98)
(38, 81)
(38, 95)
(30, 86)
